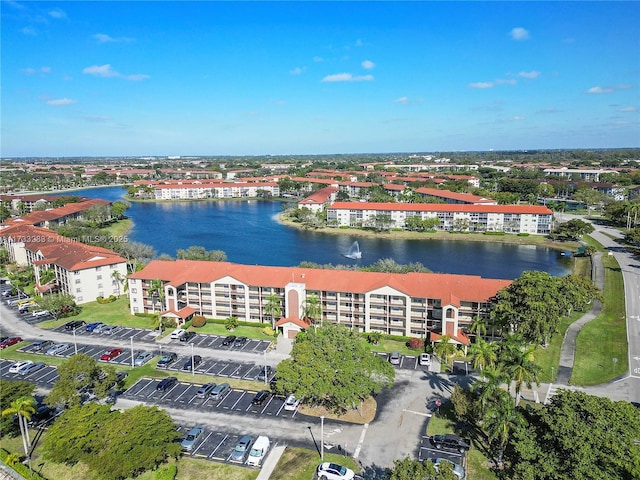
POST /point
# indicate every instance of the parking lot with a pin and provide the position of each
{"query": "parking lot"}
(429, 452)
(183, 395)
(45, 377)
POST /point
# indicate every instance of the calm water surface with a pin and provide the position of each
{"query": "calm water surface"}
(249, 234)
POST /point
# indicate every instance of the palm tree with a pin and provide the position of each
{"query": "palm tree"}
(523, 371)
(444, 348)
(313, 309)
(273, 308)
(478, 326)
(156, 292)
(23, 407)
(489, 389)
(484, 354)
(499, 421)
(117, 277)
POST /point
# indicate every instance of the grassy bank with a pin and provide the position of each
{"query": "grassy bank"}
(601, 346)
(300, 464)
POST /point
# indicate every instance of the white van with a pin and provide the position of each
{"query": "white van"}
(258, 451)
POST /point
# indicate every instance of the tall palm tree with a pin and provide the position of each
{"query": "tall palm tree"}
(117, 277)
(313, 309)
(23, 407)
(483, 354)
(444, 348)
(489, 389)
(478, 326)
(523, 371)
(499, 422)
(156, 292)
(273, 308)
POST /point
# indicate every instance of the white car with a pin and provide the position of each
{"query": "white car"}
(40, 313)
(291, 403)
(18, 365)
(458, 471)
(425, 359)
(333, 471)
(176, 334)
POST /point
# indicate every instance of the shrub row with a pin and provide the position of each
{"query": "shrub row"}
(109, 299)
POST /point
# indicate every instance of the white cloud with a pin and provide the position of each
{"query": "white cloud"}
(402, 100)
(368, 65)
(517, 118)
(33, 71)
(481, 85)
(628, 109)
(597, 90)
(58, 102)
(45, 69)
(318, 59)
(104, 38)
(531, 74)
(548, 110)
(101, 71)
(502, 81)
(138, 77)
(57, 13)
(519, 33)
(347, 77)
(297, 70)
(29, 31)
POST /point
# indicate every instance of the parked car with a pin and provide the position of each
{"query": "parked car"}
(240, 342)
(167, 359)
(9, 342)
(258, 451)
(73, 324)
(141, 358)
(394, 358)
(451, 441)
(110, 354)
(191, 438)
(41, 313)
(291, 403)
(166, 383)
(58, 348)
(229, 340)
(18, 365)
(240, 451)
(91, 327)
(98, 328)
(260, 397)
(197, 359)
(264, 373)
(109, 329)
(31, 368)
(220, 391)
(41, 415)
(458, 471)
(205, 390)
(176, 334)
(333, 471)
(186, 336)
(41, 345)
(425, 359)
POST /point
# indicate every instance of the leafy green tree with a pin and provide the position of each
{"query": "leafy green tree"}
(576, 436)
(411, 469)
(483, 354)
(77, 375)
(499, 420)
(114, 445)
(156, 293)
(195, 252)
(444, 348)
(313, 309)
(333, 367)
(231, 323)
(521, 369)
(60, 305)
(572, 230)
(23, 407)
(489, 389)
(273, 307)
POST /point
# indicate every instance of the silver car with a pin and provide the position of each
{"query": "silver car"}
(142, 358)
(242, 449)
(192, 437)
(58, 348)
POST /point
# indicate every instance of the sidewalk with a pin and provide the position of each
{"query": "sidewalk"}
(270, 462)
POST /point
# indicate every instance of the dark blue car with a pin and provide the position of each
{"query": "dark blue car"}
(92, 326)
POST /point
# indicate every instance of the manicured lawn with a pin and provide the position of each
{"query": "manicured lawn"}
(300, 464)
(548, 358)
(387, 345)
(604, 338)
(240, 331)
(365, 413)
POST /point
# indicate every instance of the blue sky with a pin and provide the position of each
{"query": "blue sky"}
(253, 78)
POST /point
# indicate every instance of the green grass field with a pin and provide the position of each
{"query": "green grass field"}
(300, 464)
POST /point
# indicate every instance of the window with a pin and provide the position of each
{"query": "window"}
(78, 290)
(98, 277)
(79, 299)
(77, 280)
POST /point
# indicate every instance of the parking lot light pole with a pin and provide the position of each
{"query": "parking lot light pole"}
(132, 352)
(193, 366)
(75, 344)
(265, 368)
(322, 438)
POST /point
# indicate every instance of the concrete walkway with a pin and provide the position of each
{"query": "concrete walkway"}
(270, 462)
(568, 351)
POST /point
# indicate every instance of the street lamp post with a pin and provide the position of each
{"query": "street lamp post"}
(132, 352)
(193, 364)
(75, 344)
(265, 368)
(322, 438)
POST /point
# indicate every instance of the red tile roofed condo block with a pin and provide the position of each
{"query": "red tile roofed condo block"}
(411, 304)
(532, 219)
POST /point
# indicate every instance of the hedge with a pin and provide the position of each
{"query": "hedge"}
(20, 468)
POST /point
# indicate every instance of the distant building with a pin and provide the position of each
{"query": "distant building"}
(577, 173)
(55, 216)
(412, 304)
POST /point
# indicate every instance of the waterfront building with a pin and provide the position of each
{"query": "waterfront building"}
(55, 216)
(410, 304)
(531, 219)
(85, 272)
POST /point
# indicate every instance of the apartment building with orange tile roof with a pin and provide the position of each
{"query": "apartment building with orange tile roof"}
(55, 216)
(83, 271)
(411, 304)
(189, 191)
(454, 197)
(531, 219)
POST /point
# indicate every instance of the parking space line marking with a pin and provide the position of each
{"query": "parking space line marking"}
(417, 413)
(216, 449)
(356, 452)
(201, 444)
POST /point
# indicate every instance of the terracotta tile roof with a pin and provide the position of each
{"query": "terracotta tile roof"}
(43, 216)
(460, 197)
(296, 321)
(432, 285)
(459, 337)
(320, 196)
(56, 249)
(437, 207)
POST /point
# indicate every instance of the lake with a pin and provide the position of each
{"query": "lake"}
(249, 233)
